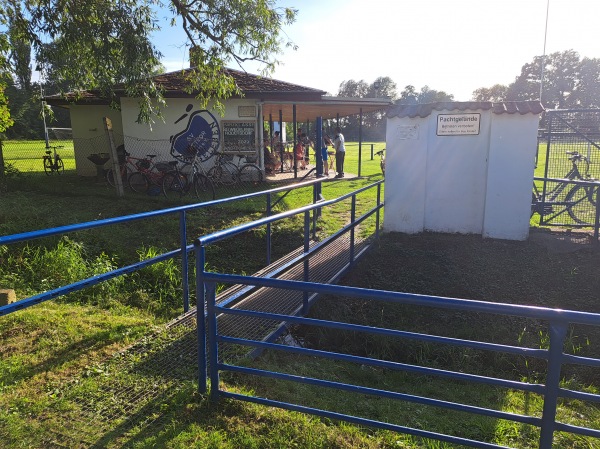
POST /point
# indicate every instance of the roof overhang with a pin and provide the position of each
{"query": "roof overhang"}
(326, 107)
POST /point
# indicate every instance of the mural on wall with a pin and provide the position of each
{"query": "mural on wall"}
(201, 134)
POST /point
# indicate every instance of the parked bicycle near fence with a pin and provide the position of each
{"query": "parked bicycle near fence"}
(223, 171)
(186, 174)
(579, 201)
(149, 174)
(52, 161)
(128, 165)
(248, 171)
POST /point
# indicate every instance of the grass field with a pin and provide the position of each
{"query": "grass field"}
(26, 155)
(64, 381)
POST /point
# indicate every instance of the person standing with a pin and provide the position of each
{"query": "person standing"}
(326, 141)
(340, 152)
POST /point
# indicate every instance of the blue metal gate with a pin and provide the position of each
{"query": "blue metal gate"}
(220, 336)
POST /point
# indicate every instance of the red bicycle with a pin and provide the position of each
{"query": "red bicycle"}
(128, 165)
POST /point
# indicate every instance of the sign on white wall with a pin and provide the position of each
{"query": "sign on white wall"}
(458, 124)
(410, 132)
(238, 136)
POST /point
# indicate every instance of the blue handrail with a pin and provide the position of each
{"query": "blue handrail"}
(558, 323)
(182, 251)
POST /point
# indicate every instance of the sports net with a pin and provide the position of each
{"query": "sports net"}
(60, 134)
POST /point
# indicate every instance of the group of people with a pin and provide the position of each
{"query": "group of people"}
(301, 155)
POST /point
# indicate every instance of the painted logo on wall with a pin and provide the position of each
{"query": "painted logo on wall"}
(201, 135)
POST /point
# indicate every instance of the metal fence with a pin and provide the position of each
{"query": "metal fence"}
(27, 157)
(567, 193)
(181, 213)
(237, 174)
(557, 323)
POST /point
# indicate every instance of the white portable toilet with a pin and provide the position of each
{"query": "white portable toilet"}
(463, 167)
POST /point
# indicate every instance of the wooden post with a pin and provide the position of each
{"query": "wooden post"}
(114, 157)
(2, 168)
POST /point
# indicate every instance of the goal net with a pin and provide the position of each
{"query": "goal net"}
(60, 134)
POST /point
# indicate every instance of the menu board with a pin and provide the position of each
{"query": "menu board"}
(239, 137)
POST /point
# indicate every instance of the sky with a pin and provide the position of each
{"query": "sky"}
(452, 45)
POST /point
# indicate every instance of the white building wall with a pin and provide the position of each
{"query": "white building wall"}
(172, 122)
(513, 145)
(140, 138)
(469, 184)
(89, 136)
(456, 184)
(405, 181)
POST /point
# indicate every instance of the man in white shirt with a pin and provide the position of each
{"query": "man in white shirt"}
(340, 152)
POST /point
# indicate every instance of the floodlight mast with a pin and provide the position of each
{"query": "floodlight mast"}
(544, 55)
(39, 69)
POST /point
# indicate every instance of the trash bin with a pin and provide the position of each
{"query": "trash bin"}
(99, 159)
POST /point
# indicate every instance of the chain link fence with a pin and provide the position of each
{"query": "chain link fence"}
(569, 152)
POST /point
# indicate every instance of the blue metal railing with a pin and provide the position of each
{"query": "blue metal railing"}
(558, 323)
(183, 250)
(551, 390)
(201, 243)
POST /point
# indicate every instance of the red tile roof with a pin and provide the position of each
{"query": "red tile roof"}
(248, 83)
(174, 84)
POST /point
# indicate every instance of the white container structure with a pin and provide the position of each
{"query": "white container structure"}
(464, 167)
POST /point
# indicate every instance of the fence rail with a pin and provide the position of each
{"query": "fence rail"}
(214, 360)
(182, 251)
(558, 322)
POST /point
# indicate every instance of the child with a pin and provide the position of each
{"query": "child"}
(299, 156)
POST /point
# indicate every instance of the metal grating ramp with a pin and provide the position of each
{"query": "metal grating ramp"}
(325, 266)
(165, 362)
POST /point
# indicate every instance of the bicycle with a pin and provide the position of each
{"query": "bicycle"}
(544, 203)
(381, 154)
(249, 172)
(178, 182)
(53, 163)
(223, 171)
(127, 166)
(148, 174)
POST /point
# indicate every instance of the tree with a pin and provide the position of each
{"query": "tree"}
(410, 96)
(353, 89)
(373, 123)
(569, 82)
(495, 93)
(98, 44)
(20, 55)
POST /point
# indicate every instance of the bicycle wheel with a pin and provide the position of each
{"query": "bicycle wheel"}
(59, 166)
(174, 185)
(225, 174)
(125, 173)
(581, 205)
(251, 174)
(203, 187)
(47, 165)
(138, 182)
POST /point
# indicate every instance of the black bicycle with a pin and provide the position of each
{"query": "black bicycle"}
(579, 201)
(52, 161)
(180, 180)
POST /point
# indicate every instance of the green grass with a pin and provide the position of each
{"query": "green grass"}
(64, 381)
(26, 155)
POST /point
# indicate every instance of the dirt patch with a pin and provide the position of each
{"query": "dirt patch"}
(550, 269)
(561, 241)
